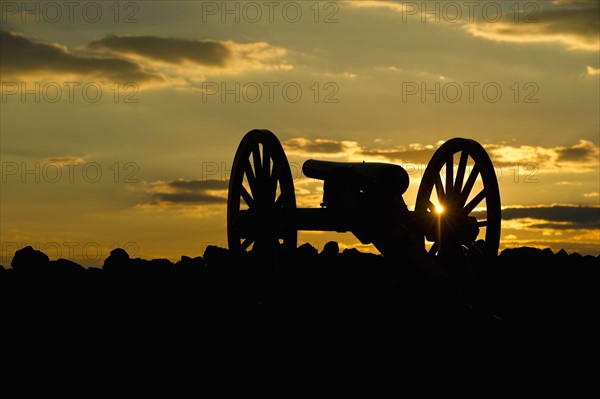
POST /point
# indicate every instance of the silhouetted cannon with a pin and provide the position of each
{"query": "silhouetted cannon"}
(366, 199)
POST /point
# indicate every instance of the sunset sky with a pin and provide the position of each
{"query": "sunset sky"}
(119, 120)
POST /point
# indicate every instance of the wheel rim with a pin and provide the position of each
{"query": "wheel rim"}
(261, 201)
(464, 181)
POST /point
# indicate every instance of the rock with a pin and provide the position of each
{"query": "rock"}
(138, 265)
(306, 250)
(214, 255)
(331, 249)
(589, 259)
(561, 254)
(30, 260)
(529, 256)
(66, 265)
(117, 260)
(160, 265)
(187, 263)
(547, 252)
(351, 252)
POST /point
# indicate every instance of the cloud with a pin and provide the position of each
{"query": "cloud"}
(66, 160)
(585, 151)
(201, 185)
(341, 75)
(415, 153)
(308, 148)
(400, 8)
(196, 192)
(139, 59)
(593, 71)
(576, 27)
(258, 56)
(171, 50)
(578, 158)
(352, 151)
(22, 57)
(562, 217)
(573, 23)
(561, 2)
(213, 56)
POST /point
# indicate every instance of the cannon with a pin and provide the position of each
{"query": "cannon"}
(366, 198)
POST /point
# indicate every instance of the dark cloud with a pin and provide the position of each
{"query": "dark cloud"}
(416, 156)
(23, 57)
(581, 22)
(325, 147)
(196, 198)
(171, 50)
(574, 23)
(320, 146)
(200, 184)
(583, 152)
(190, 192)
(556, 217)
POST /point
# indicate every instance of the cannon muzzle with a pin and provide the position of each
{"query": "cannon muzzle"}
(366, 175)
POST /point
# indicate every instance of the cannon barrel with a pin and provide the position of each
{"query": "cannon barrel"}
(367, 175)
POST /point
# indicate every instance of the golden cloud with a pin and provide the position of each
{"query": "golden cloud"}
(66, 160)
(384, 5)
(592, 71)
(577, 158)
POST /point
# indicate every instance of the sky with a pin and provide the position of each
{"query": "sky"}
(119, 121)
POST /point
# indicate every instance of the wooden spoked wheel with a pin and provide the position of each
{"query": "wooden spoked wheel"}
(459, 191)
(261, 203)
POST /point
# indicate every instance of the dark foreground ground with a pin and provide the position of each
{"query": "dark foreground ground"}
(521, 286)
(318, 316)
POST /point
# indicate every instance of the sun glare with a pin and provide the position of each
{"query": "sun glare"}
(439, 209)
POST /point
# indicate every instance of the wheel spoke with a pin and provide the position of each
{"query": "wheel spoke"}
(257, 163)
(479, 223)
(460, 173)
(266, 163)
(279, 201)
(449, 175)
(247, 197)
(430, 206)
(246, 243)
(439, 188)
(474, 202)
(434, 248)
(273, 183)
(464, 195)
(251, 178)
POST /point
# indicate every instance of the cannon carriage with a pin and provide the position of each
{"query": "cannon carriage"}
(366, 199)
